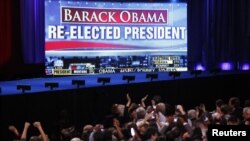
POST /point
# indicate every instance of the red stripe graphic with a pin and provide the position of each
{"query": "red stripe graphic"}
(61, 45)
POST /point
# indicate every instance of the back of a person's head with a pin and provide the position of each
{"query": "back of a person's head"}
(35, 138)
(198, 123)
(173, 133)
(161, 107)
(107, 134)
(246, 111)
(247, 103)
(87, 129)
(157, 99)
(98, 136)
(76, 139)
(69, 133)
(141, 112)
(234, 101)
(197, 135)
(161, 138)
(219, 102)
(132, 107)
(233, 120)
(113, 108)
(150, 131)
(225, 109)
(192, 114)
(170, 110)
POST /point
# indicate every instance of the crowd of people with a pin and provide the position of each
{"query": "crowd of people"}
(158, 121)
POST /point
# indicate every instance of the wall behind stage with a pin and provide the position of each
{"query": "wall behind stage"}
(217, 30)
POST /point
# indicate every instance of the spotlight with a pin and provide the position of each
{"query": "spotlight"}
(199, 67)
(152, 76)
(23, 87)
(103, 80)
(128, 78)
(174, 74)
(0, 90)
(78, 83)
(196, 72)
(245, 67)
(52, 85)
(226, 66)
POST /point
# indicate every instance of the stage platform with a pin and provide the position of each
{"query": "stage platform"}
(65, 83)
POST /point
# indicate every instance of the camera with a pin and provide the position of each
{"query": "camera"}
(175, 119)
(153, 114)
(132, 132)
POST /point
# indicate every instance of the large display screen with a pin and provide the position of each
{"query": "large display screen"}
(87, 37)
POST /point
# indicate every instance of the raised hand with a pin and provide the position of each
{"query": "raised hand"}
(129, 100)
(13, 129)
(26, 125)
(144, 98)
(37, 124)
(128, 97)
(142, 101)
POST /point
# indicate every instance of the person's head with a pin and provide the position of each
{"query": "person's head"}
(192, 114)
(149, 109)
(160, 107)
(75, 139)
(233, 120)
(114, 109)
(173, 133)
(247, 103)
(87, 129)
(107, 134)
(132, 110)
(151, 133)
(219, 103)
(225, 109)
(246, 113)
(141, 112)
(143, 127)
(156, 99)
(234, 102)
(199, 124)
(35, 138)
(197, 135)
(67, 133)
(98, 136)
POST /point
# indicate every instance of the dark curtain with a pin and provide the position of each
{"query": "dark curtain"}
(5, 34)
(21, 38)
(218, 32)
(32, 27)
(248, 23)
(10, 42)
